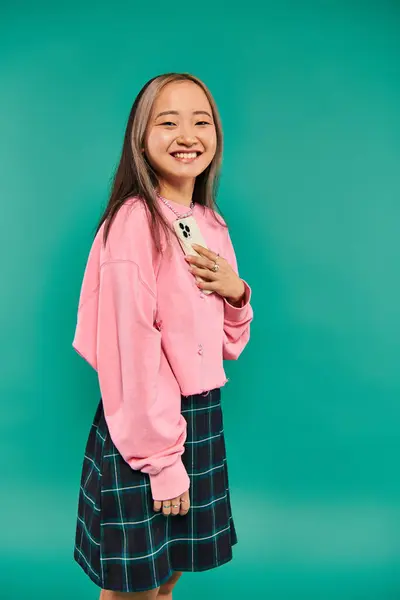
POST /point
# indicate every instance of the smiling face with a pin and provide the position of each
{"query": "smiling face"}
(181, 138)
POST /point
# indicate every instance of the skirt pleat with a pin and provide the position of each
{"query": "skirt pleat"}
(121, 543)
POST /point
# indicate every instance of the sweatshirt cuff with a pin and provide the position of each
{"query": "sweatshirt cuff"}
(170, 482)
(238, 313)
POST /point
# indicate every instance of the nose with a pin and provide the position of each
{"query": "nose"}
(186, 140)
(186, 133)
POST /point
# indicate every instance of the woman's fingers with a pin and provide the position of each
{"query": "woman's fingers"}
(176, 506)
(205, 252)
(185, 503)
(166, 507)
(199, 261)
(157, 505)
(203, 273)
(169, 507)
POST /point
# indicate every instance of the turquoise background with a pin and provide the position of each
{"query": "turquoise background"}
(309, 94)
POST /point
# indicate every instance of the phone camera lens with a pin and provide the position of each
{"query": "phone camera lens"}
(181, 225)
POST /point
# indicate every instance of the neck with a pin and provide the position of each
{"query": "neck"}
(180, 193)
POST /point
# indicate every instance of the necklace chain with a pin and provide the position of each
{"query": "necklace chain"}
(180, 216)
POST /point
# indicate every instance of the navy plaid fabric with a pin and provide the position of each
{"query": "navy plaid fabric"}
(121, 543)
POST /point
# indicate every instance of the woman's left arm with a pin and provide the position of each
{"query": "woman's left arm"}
(235, 292)
(238, 312)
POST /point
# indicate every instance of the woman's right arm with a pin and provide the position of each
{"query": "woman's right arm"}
(141, 398)
(115, 333)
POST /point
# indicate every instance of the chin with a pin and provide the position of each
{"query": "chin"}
(189, 171)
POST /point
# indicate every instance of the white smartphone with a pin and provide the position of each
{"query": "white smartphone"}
(188, 233)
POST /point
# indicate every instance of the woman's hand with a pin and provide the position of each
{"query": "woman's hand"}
(175, 506)
(224, 281)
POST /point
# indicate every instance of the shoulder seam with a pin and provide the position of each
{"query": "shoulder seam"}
(132, 262)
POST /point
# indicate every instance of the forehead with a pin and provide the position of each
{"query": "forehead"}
(181, 96)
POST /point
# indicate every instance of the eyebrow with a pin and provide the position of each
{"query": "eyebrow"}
(175, 112)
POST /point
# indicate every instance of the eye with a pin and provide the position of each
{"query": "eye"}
(203, 123)
(168, 123)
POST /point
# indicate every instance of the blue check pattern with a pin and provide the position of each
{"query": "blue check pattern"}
(121, 543)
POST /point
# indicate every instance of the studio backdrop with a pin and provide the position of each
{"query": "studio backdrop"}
(309, 94)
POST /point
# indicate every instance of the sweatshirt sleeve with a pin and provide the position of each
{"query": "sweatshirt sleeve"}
(141, 398)
(236, 319)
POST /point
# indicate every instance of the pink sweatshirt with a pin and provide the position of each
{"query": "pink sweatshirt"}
(151, 334)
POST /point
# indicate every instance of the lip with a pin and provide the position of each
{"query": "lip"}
(198, 152)
(186, 160)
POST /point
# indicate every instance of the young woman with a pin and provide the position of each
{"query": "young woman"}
(154, 496)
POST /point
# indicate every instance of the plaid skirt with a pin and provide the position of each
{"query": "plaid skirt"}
(121, 543)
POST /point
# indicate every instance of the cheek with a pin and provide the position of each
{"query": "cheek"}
(158, 142)
(212, 143)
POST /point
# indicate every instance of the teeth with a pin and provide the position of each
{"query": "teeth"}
(185, 154)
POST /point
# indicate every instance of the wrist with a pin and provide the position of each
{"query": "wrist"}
(237, 298)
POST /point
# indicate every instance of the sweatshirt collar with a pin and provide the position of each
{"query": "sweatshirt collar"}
(180, 208)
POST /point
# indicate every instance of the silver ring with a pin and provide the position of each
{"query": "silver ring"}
(215, 267)
(175, 505)
(166, 505)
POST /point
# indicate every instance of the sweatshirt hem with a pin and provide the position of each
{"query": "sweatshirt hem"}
(198, 390)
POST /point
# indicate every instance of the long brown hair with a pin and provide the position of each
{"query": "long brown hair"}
(134, 175)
